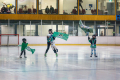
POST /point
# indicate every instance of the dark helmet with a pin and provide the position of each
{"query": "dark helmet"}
(50, 30)
(23, 39)
(94, 35)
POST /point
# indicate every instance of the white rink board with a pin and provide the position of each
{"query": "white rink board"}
(71, 40)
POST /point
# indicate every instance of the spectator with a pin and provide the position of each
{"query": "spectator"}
(4, 10)
(101, 34)
(80, 1)
(25, 10)
(9, 5)
(12, 10)
(47, 10)
(105, 11)
(8, 10)
(51, 9)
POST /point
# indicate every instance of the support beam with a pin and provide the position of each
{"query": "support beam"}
(36, 30)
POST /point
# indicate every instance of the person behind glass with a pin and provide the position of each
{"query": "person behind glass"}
(51, 9)
(24, 45)
(101, 34)
(80, 1)
(25, 10)
(4, 10)
(9, 5)
(12, 10)
(47, 10)
(105, 11)
(8, 10)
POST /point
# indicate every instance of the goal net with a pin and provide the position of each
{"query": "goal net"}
(9, 39)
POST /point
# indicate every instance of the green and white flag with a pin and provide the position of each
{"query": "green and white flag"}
(29, 49)
(85, 28)
(61, 35)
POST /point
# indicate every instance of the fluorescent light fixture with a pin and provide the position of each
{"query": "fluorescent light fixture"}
(110, 0)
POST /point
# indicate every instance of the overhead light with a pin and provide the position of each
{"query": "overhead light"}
(110, 0)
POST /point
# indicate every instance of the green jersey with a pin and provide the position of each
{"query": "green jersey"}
(50, 38)
(93, 43)
(24, 45)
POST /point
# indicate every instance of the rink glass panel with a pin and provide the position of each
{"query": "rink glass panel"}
(68, 27)
(28, 28)
(41, 27)
(105, 28)
(44, 27)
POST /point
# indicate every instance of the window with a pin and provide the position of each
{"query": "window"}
(101, 28)
(67, 27)
(68, 7)
(106, 7)
(5, 29)
(58, 25)
(20, 30)
(87, 7)
(7, 6)
(41, 27)
(26, 28)
(118, 7)
(29, 30)
(106, 28)
(63, 28)
(46, 25)
(48, 7)
(27, 7)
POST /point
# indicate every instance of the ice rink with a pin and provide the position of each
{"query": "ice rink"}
(73, 63)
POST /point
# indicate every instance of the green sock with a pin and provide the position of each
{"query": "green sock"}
(56, 54)
(45, 55)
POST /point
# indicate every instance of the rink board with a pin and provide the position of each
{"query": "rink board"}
(73, 40)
